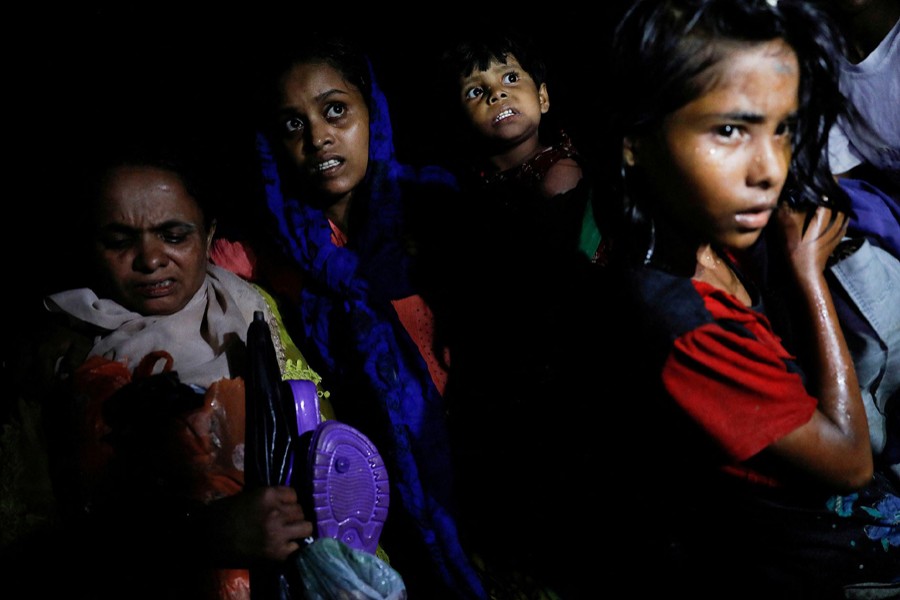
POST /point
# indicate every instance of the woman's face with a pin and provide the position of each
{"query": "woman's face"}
(718, 164)
(151, 242)
(324, 124)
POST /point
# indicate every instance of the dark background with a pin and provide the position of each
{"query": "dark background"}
(77, 74)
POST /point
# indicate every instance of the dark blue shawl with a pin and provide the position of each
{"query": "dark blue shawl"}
(351, 284)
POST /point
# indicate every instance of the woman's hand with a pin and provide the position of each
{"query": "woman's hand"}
(266, 523)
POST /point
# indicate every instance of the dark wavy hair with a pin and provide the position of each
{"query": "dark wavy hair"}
(662, 58)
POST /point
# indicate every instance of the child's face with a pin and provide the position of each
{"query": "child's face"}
(324, 123)
(718, 163)
(503, 103)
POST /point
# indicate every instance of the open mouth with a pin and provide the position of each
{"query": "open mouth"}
(504, 115)
(328, 164)
(156, 289)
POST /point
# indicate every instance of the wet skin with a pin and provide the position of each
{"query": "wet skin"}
(718, 165)
(720, 161)
(151, 244)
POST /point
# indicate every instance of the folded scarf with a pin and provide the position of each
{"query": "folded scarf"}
(211, 329)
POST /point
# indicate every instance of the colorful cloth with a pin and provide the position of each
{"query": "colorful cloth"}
(150, 429)
(532, 171)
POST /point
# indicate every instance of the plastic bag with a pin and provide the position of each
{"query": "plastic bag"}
(331, 570)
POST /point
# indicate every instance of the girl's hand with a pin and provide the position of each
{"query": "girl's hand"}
(808, 250)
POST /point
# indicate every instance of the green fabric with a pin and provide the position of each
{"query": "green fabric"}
(590, 233)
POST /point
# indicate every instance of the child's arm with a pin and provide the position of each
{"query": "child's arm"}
(834, 444)
(561, 177)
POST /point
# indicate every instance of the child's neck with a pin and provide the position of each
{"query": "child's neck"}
(716, 271)
(516, 155)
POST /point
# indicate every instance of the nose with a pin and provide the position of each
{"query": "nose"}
(320, 133)
(496, 96)
(150, 255)
(769, 164)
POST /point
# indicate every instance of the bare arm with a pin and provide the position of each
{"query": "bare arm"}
(561, 177)
(834, 445)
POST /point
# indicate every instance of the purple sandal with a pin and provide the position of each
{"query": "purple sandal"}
(348, 484)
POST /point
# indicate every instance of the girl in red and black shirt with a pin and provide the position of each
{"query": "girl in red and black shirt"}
(750, 459)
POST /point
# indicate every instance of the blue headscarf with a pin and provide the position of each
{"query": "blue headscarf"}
(352, 284)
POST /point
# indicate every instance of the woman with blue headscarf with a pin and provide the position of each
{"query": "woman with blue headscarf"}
(342, 242)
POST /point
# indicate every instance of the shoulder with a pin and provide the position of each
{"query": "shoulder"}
(668, 306)
(561, 176)
(559, 167)
(246, 296)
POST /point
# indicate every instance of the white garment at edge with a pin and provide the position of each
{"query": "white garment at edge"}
(873, 86)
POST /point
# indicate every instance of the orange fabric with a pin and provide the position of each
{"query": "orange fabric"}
(94, 382)
(418, 320)
(239, 258)
(202, 447)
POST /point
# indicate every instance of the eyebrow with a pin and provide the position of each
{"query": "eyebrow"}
(332, 92)
(495, 66)
(288, 109)
(753, 118)
(164, 226)
(746, 117)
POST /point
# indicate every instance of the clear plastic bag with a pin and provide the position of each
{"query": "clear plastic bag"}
(331, 570)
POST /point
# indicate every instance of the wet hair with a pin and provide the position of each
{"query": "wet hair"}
(340, 53)
(664, 55)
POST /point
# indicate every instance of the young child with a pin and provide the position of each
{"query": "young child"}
(498, 83)
(518, 317)
(500, 88)
(753, 473)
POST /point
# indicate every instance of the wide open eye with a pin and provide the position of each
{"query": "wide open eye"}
(511, 77)
(294, 124)
(335, 110)
(473, 93)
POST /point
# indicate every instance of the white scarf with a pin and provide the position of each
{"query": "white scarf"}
(206, 338)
